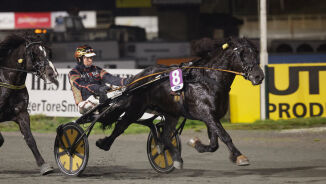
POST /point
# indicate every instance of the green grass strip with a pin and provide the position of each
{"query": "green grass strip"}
(43, 124)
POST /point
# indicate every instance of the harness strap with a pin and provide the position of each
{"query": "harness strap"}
(216, 69)
(141, 78)
(15, 69)
(165, 71)
(10, 86)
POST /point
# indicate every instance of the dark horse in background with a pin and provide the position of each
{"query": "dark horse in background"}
(19, 55)
(206, 95)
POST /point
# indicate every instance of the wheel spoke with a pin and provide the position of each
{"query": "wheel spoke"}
(155, 156)
(71, 162)
(166, 159)
(61, 153)
(75, 141)
(60, 143)
(66, 136)
(79, 155)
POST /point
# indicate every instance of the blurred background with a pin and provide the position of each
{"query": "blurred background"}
(139, 33)
(134, 34)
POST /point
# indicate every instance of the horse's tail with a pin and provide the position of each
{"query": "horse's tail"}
(109, 119)
(117, 108)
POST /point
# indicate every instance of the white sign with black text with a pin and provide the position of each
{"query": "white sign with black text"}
(50, 100)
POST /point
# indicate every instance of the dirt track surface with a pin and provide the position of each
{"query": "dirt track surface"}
(275, 158)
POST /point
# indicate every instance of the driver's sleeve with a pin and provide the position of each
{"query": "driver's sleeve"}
(111, 79)
(78, 85)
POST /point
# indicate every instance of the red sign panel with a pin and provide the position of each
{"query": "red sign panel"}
(33, 20)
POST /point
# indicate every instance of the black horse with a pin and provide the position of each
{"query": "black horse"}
(19, 55)
(205, 95)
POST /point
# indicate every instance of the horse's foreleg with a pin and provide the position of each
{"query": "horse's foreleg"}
(213, 141)
(168, 130)
(2, 140)
(24, 125)
(235, 154)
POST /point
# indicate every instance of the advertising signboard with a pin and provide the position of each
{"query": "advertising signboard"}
(296, 90)
(49, 100)
(33, 20)
(7, 20)
(244, 101)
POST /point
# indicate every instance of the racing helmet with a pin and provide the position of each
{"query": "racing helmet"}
(84, 50)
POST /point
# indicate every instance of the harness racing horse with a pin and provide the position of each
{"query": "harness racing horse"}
(205, 95)
(19, 55)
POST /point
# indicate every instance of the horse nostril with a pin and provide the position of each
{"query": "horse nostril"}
(259, 78)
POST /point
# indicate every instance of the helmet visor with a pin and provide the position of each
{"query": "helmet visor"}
(90, 54)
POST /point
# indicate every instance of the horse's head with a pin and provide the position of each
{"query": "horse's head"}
(245, 59)
(38, 62)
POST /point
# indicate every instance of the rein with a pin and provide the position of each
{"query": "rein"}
(15, 69)
(165, 71)
(216, 69)
(10, 86)
(194, 67)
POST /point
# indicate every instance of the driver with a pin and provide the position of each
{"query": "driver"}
(89, 81)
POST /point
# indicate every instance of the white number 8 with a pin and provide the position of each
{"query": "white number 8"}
(175, 77)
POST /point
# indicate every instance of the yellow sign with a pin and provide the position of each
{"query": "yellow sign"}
(296, 90)
(244, 101)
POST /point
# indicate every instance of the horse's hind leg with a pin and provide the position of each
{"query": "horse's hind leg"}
(24, 125)
(2, 140)
(130, 117)
(168, 130)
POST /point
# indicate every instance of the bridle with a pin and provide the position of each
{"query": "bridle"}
(36, 68)
(246, 69)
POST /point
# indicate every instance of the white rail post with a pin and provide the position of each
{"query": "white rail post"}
(263, 55)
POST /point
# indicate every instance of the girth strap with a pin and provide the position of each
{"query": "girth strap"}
(10, 86)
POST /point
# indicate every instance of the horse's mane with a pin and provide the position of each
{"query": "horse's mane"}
(12, 41)
(203, 47)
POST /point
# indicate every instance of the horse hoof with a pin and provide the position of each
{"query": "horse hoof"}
(178, 165)
(46, 169)
(242, 160)
(100, 144)
(192, 142)
(1, 140)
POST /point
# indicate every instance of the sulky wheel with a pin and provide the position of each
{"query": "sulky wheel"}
(158, 156)
(71, 157)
